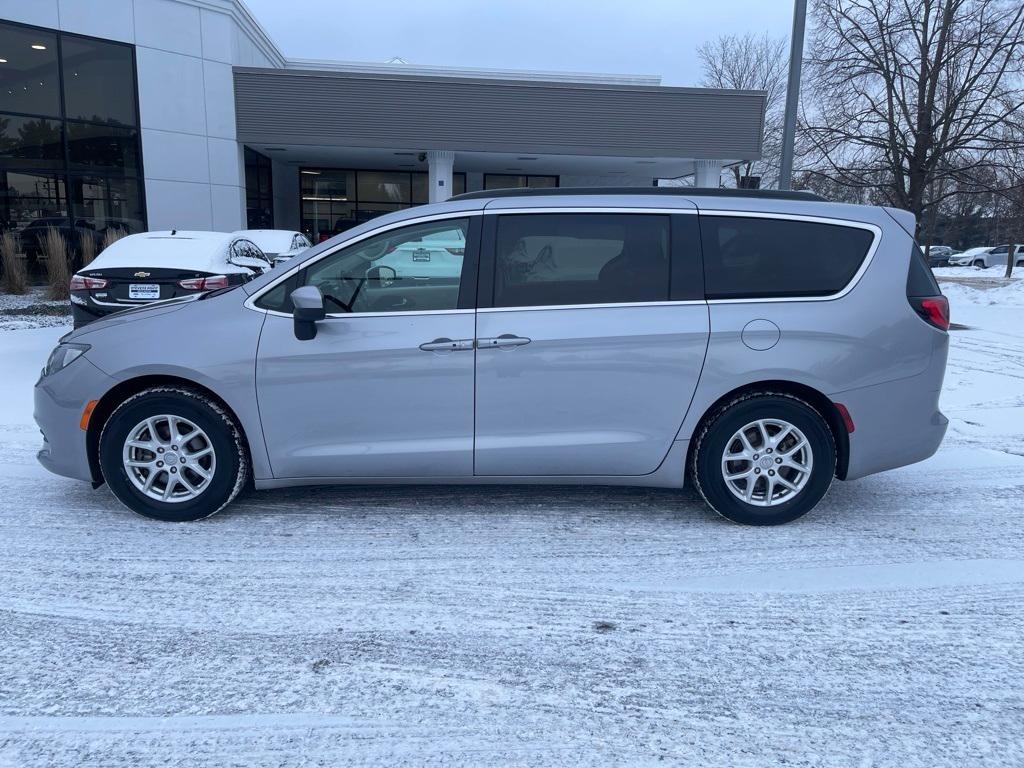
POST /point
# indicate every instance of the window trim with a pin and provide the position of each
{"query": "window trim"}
(469, 276)
(850, 223)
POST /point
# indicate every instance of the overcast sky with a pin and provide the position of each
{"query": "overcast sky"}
(658, 37)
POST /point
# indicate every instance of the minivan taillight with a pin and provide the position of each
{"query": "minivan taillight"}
(81, 283)
(934, 309)
(204, 283)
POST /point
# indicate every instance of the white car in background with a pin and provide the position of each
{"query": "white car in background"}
(999, 255)
(967, 258)
(435, 255)
(153, 266)
(278, 244)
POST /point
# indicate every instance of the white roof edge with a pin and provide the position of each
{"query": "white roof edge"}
(243, 17)
(327, 65)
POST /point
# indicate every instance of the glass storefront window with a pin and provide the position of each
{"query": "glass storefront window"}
(29, 79)
(384, 187)
(31, 202)
(505, 181)
(104, 203)
(259, 191)
(79, 175)
(335, 199)
(92, 146)
(99, 81)
(30, 142)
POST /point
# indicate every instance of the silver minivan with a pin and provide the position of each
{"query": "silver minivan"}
(757, 345)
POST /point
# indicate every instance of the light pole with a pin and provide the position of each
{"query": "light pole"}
(796, 55)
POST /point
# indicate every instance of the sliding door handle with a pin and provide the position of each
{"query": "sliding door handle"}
(445, 344)
(505, 341)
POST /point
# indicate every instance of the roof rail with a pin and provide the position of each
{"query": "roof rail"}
(770, 194)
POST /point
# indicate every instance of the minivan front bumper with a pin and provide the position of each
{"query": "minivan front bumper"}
(59, 402)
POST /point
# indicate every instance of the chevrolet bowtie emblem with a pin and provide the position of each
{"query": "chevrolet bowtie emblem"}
(141, 274)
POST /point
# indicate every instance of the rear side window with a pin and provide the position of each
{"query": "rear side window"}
(920, 280)
(553, 259)
(754, 257)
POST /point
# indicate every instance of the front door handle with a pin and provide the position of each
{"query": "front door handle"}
(444, 344)
(504, 341)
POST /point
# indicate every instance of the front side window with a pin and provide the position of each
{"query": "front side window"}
(590, 258)
(755, 257)
(410, 269)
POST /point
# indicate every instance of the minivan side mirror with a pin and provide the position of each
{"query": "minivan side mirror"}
(308, 308)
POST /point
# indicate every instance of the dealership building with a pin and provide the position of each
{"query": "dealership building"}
(184, 114)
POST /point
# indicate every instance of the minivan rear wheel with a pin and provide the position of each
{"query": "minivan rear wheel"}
(764, 458)
(173, 454)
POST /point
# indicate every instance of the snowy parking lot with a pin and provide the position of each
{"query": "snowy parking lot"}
(523, 626)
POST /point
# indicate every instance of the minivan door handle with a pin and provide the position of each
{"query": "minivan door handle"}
(502, 342)
(444, 344)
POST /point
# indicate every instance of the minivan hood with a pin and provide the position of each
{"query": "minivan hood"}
(131, 315)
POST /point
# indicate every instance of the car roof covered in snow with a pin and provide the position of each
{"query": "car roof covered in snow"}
(270, 240)
(178, 249)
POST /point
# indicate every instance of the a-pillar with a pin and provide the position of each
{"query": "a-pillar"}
(708, 173)
(440, 165)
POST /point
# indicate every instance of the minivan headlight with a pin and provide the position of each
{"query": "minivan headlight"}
(63, 356)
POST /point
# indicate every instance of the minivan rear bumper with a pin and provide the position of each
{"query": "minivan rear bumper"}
(895, 423)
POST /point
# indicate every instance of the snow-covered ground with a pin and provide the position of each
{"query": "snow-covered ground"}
(509, 626)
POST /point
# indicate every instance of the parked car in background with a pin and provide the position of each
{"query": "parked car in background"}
(437, 255)
(938, 255)
(153, 266)
(755, 345)
(279, 245)
(967, 258)
(999, 255)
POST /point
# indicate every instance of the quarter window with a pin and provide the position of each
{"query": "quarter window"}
(754, 257)
(411, 269)
(591, 258)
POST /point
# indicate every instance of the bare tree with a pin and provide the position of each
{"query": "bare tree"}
(913, 96)
(752, 62)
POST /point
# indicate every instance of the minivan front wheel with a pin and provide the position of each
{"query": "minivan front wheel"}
(173, 454)
(764, 459)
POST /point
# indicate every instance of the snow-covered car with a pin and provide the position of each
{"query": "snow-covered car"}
(152, 266)
(967, 258)
(279, 245)
(435, 255)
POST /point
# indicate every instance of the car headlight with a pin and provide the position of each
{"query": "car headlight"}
(63, 356)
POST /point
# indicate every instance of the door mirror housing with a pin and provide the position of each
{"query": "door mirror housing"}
(308, 308)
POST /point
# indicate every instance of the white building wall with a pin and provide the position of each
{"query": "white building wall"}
(194, 174)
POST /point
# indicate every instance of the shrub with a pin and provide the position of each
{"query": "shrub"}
(111, 237)
(55, 260)
(87, 247)
(13, 279)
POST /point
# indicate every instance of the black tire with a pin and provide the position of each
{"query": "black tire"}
(706, 466)
(230, 474)
(979, 264)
